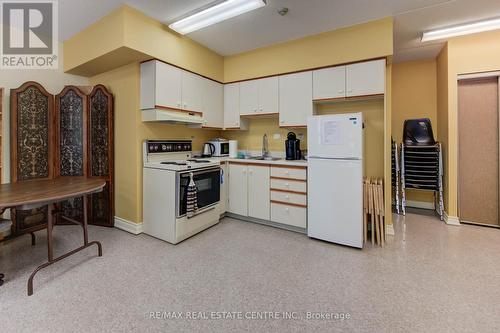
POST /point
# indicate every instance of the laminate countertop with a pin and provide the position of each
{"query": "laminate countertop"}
(280, 162)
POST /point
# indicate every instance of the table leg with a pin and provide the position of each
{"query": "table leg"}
(52, 260)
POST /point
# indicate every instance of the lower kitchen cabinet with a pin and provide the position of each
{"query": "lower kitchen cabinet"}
(238, 189)
(290, 215)
(258, 192)
(249, 190)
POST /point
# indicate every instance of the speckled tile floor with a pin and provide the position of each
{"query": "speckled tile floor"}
(429, 278)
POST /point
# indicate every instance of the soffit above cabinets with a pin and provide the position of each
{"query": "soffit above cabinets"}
(265, 26)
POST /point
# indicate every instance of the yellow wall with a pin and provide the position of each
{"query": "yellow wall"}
(251, 139)
(442, 113)
(136, 37)
(464, 55)
(414, 95)
(360, 42)
(130, 132)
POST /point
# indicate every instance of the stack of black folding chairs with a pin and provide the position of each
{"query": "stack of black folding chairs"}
(421, 162)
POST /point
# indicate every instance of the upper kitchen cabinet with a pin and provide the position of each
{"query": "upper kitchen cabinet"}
(329, 83)
(232, 107)
(192, 91)
(365, 78)
(259, 96)
(160, 85)
(295, 99)
(213, 104)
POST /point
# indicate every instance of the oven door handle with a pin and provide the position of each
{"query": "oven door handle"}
(200, 172)
(201, 212)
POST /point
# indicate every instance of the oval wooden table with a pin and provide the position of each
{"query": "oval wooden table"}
(37, 193)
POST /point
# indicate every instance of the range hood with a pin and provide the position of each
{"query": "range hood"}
(194, 119)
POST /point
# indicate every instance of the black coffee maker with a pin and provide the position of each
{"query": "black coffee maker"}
(292, 147)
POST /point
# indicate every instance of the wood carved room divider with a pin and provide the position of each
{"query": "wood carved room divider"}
(80, 144)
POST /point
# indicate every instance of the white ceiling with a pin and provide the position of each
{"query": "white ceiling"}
(264, 26)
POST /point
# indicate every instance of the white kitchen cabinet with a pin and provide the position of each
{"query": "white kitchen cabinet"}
(192, 91)
(224, 188)
(268, 95)
(213, 104)
(365, 78)
(258, 192)
(259, 96)
(295, 99)
(329, 83)
(249, 97)
(290, 215)
(238, 189)
(160, 85)
(232, 118)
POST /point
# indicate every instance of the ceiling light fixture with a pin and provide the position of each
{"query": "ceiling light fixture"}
(460, 30)
(212, 15)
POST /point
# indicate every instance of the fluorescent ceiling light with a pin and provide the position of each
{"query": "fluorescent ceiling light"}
(218, 13)
(461, 30)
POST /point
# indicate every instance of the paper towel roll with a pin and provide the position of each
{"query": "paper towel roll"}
(233, 148)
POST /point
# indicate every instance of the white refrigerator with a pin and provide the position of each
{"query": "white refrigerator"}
(335, 178)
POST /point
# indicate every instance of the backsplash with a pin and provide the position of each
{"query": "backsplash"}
(251, 140)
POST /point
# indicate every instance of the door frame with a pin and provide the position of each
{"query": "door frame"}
(467, 77)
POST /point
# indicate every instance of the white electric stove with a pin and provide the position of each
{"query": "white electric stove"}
(168, 167)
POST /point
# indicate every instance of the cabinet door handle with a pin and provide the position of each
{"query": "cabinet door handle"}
(282, 121)
(287, 210)
(287, 173)
(287, 197)
(244, 171)
(287, 184)
(250, 171)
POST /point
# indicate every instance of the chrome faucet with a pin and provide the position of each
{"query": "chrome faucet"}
(265, 146)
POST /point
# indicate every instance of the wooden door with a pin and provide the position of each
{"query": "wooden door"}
(478, 150)
(258, 192)
(238, 189)
(71, 143)
(101, 155)
(31, 148)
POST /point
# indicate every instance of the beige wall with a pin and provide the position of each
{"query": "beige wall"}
(414, 95)
(130, 132)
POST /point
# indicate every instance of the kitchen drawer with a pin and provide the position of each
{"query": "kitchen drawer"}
(290, 215)
(292, 173)
(289, 185)
(294, 198)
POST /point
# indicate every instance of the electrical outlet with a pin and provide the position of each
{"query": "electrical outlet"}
(276, 136)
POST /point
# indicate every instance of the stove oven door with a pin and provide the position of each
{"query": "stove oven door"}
(207, 185)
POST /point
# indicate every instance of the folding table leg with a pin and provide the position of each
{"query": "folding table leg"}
(51, 259)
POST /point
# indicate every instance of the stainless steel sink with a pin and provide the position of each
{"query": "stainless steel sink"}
(262, 158)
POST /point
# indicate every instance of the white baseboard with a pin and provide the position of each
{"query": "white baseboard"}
(128, 226)
(389, 230)
(451, 220)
